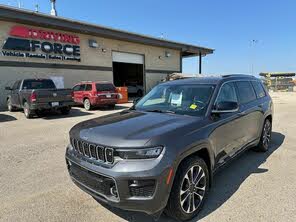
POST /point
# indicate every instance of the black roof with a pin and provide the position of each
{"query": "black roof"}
(56, 22)
(212, 80)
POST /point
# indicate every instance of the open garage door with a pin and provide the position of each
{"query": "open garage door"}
(128, 70)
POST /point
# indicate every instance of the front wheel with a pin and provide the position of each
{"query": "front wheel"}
(190, 189)
(10, 107)
(265, 137)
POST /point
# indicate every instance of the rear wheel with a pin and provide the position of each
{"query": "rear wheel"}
(65, 110)
(87, 104)
(189, 191)
(265, 137)
(28, 113)
(10, 107)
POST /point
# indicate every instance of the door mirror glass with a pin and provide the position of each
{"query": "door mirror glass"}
(136, 101)
(225, 107)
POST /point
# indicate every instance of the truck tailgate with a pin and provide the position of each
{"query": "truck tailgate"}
(53, 95)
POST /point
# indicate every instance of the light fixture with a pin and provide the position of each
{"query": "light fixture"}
(104, 50)
(168, 54)
(92, 43)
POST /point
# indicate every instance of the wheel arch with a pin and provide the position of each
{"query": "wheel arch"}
(203, 152)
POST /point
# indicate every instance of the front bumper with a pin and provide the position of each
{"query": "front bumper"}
(122, 174)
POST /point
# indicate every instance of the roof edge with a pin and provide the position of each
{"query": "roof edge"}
(29, 17)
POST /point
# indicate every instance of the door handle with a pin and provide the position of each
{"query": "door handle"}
(260, 106)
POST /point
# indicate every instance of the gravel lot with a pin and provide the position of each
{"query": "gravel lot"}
(35, 186)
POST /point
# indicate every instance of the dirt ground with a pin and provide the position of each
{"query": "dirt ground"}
(35, 186)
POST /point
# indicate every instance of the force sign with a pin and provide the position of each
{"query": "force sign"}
(64, 47)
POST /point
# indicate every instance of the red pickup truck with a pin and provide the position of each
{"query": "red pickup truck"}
(92, 94)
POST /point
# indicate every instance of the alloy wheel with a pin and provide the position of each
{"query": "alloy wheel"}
(266, 134)
(87, 104)
(193, 189)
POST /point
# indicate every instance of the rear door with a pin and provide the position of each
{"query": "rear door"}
(15, 100)
(78, 91)
(250, 112)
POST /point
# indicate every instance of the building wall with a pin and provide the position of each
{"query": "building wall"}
(93, 57)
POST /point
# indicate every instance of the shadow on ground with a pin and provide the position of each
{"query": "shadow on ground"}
(56, 115)
(6, 118)
(226, 182)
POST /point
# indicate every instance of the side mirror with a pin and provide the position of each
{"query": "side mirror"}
(225, 107)
(8, 88)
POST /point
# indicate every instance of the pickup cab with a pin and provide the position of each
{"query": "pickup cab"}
(37, 95)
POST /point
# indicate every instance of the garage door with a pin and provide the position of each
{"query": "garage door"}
(128, 58)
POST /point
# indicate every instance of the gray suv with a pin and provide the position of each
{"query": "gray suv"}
(163, 152)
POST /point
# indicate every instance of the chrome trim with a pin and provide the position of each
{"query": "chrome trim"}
(225, 111)
(112, 151)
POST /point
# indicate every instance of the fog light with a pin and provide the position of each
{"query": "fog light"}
(113, 191)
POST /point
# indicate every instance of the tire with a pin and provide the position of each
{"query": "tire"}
(65, 110)
(28, 113)
(183, 192)
(87, 104)
(265, 138)
(10, 107)
(111, 106)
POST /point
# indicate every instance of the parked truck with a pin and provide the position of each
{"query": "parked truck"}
(37, 95)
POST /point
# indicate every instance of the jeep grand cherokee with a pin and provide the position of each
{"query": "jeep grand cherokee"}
(162, 153)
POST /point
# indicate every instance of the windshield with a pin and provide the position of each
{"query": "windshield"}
(39, 84)
(179, 99)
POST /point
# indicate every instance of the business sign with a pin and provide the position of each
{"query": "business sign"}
(42, 44)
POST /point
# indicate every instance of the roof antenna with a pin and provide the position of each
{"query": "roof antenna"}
(53, 11)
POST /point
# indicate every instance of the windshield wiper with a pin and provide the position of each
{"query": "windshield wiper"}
(160, 111)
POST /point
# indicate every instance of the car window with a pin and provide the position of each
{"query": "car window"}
(245, 92)
(39, 84)
(227, 93)
(258, 89)
(105, 87)
(88, 87)
(82, 87)
(76, 88)
(15, 85)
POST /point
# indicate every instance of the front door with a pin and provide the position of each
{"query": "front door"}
(227, 135)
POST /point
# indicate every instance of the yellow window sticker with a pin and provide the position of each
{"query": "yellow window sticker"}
(193, 106)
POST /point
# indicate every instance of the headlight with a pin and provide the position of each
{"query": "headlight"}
(139, 153)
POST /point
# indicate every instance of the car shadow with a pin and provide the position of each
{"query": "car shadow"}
(50, 115)
(6, 118)
(226, 183)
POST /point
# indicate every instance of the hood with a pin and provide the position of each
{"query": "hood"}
(130, 128)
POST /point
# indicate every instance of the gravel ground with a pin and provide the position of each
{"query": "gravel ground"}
(35, 186)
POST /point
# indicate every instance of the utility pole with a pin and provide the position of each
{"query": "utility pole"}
(253, 43)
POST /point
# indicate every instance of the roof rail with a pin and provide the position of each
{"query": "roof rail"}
(238, 75)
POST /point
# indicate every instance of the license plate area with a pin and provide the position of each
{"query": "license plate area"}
(53, 104)
(108, 95)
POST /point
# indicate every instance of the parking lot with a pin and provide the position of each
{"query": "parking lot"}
(35, 186)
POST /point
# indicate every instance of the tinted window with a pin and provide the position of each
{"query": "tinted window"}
(258, 89)
(76, 88)
(245, 91)
(39, 84)
(105, 87)
(16, 85)
(88, 87)
(227, 93)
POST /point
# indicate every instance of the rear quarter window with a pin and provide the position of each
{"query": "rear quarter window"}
(105, 87)
(258, 89)
(246, 92)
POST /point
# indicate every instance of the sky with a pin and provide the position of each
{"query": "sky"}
(249, 36)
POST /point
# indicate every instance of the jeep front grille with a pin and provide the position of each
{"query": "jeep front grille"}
(93, 151)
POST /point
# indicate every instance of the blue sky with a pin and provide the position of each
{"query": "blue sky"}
(228, 26)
